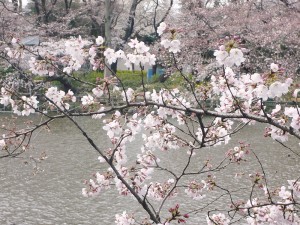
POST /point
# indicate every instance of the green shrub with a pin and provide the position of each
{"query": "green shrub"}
(91, 76)
(129, 79)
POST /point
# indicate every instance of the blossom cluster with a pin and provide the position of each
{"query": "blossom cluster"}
(242, 93)
(195, 189)
(124, 219)
(16, 51)
(140, 55)
(57, 98)
(74, 48)
(94, 188)
(23, 107)
(172, 45)
(229, 58)
(216, 134)
(159, 191)
(219, 219)
(281, 213)
(259, 212)
(42, 67)
(238, 153)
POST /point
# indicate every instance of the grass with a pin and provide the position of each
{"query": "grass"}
(129, 79)
(132, 79)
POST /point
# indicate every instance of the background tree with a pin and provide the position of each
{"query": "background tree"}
(268, 28)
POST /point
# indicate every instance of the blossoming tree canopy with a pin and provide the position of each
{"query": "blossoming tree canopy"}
(167, 120)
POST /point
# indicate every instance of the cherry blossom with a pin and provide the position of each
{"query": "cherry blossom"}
(57, 98)
(219, 219)
(195, 190)
(293, 112)
(271, 214)
(295, 186)
(17, 51)
(274, 67)
(172, 46)
(238, 153)
(87, 100)
(124, 219)
(113, 128)
(41, 67)
(159, 191)
(2, 144)
(161, 28)
(234, 57)
(5, 98)
(29, 106)
(141, 48)
(99, 40)
(166, 43)
(97, 91)
(110, 55)
(284, 194)
(128, 95)
(133, 43)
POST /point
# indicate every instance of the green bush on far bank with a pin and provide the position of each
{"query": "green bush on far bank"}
(133, 79)
(129, 79)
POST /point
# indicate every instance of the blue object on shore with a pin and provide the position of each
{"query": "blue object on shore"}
(149, 74)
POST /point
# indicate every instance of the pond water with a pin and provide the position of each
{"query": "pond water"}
(53, 194)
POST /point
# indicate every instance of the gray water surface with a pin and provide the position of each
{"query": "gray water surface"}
(52, 195)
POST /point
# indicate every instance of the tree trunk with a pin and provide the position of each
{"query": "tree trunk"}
(97, 29)
(20, 5)
(128, 30)
(130, 22)
(37, 11)
(66, 6)
(107, 25)
(15, 4)
(156, 24)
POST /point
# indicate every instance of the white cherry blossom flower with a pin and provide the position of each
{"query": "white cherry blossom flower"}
(99, 40)
(161, 28)
(120, 54)
(219, 219)
(295, 186)
(57, 98)
(113, 128)
(110, 55)
(133, 43)
(166, 43)
(237, 56)
(141, 48)
(220, 55)
(87, 100)
(29, 105)
(14, 40)
(97, 91)
(195, 189)
(174, 46)
(124, 219)
(5, 98)
(284, 194)
(2, 143)
(274, 67)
